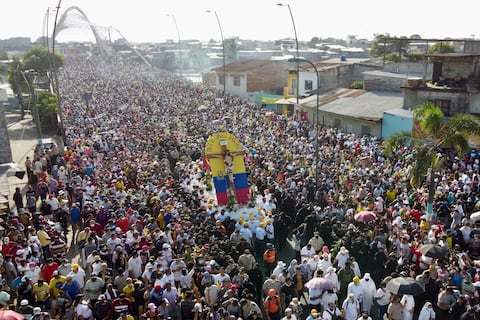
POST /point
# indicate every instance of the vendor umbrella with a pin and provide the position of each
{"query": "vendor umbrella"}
(405, 285)
(365, 216)
(320, 284)
(433, 251)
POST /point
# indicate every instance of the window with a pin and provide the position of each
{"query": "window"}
(236, 81)
(221, 79)
(308, 84)
(294, 83)
(444, 105)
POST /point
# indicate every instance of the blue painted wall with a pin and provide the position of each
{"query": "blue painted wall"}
(392, 123)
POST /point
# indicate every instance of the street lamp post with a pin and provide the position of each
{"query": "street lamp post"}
(296, 44)
(297, 60)
(223, 49)
(179, 43)
(55, 71)
(50, 58)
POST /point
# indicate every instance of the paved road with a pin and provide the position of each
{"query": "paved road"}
(23, 139)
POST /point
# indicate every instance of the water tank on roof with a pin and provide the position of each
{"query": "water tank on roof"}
(343, 57)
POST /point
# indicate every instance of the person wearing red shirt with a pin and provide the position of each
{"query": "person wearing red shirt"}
(48, 269)
(120, 304)
(96, 227)
(7, 246)
(123, 223)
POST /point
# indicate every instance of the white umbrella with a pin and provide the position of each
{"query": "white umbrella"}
(475, 216)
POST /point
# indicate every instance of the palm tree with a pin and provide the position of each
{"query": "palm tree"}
(431, 133)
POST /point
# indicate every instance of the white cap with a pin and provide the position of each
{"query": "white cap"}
(24, 302)
(152, 305)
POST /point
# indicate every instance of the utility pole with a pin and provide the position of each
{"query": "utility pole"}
(29, 76)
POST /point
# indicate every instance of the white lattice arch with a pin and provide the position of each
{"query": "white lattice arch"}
(61, 25)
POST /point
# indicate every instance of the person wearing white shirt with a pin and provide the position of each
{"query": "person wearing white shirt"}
(332, 276)
(427, 312)
(211, 294)
(270, 229)
(331, 312)
(53, 202)
(167, 278)
(342, 257)
(356, 288)
(466, 230)
(314, 298)
(313, 262)
(350, 308)
(221, 276)
(329, 297)
(260, 235)
(269, 206)
(134, 266)
(364, 316)
(177, 266)
(246, 233)
(253, 224)
(78, 275)
(186, 279)
(408, 304)
(83, 310)
(171, 294)
(369, 290)
(355, 266)
(382, 297)
(307, 252)
(324, 263)
(289, 315)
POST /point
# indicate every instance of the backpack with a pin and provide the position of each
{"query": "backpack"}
(333, 315)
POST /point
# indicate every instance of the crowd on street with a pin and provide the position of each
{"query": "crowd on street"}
(130, 193)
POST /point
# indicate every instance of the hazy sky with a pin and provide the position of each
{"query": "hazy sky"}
(146, 20)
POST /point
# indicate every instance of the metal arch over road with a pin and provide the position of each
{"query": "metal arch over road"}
(62, 25)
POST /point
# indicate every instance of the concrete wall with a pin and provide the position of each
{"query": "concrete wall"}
(460, 102)
(408, 68)
(6, 153)
(392, 123)
(376, 83)
(350, 125)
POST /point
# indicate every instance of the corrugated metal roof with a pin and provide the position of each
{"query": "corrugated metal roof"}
(356, 103)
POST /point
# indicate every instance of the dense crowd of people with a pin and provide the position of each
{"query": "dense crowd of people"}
(130, 193)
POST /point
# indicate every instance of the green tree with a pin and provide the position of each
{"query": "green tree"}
(391, 48)
(441, 47)
(38, 59)
(432, 132)
(47, 105)
(357, 85)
